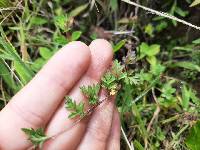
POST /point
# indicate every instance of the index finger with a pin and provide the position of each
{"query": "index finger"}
(36, 102)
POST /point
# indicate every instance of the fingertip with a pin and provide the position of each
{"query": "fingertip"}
(80, 49)
(102, 54)
(103, 47)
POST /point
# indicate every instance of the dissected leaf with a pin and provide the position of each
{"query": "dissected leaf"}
(76, 110)
(109, 81)
(37, 137)
(91, 92)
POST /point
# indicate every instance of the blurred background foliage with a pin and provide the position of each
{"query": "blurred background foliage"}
(159, 102)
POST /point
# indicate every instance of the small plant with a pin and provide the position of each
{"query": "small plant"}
(37, 137)
(91, 92)
(76, 109)
(110, 82)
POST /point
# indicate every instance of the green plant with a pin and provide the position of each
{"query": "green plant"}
(37, 137)
(91, 92)
(75, 109)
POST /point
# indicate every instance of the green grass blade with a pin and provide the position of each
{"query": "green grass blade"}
(22, 69)
(6, 76)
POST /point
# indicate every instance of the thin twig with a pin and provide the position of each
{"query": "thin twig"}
(157, 111)
(119, 32)
(163, 14)
(126, 139)
(13, 73)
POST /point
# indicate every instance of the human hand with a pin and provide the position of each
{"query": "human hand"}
(40, 103)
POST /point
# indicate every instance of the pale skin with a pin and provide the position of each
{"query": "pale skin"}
(40, 103)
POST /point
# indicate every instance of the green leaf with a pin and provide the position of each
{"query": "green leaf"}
(196, 2)
(161, 26)
(118, 70)
(186, 65)
(78, 10)
(132, 80)
(167, 98)
(193, 139)
(77, 110)
(109, 81)
(185, 97)
(153, 50)
(7, 76)
(119, 45)
(152, 60)
(23, 70)
(76, 35)
(37, 137)
(38, 21)
(157, 69)
(37, 64)
(60, 39)
(137, 145)
(194, 98)
(45, 53)
(197, 41)
(149, 29)
(62, 22)
(146, 50)
(160, 134)
(91, 92)
(143, 48)
(181, 12)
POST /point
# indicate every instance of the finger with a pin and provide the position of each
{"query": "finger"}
(99, 127)
(37, 101)
(101, 58)
(114, 137)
